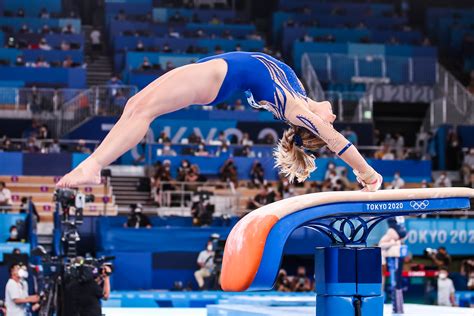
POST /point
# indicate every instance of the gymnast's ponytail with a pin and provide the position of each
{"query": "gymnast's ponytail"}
(290, 156)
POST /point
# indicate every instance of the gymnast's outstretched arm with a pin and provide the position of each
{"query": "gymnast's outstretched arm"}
(336, 142)
(179, 88)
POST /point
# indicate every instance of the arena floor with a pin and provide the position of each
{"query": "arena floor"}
(410, 310)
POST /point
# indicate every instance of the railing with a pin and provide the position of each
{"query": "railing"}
(453, 103)
(348, 106)
(179, 200)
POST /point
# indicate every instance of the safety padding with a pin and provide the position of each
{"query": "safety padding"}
(335, 271)
(369, 271)
(255, 245)
(372, 305)
(335, 305)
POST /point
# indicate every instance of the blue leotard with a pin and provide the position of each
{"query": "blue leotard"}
(261, 77)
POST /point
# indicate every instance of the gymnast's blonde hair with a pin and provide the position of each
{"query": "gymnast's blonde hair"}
(292, 160)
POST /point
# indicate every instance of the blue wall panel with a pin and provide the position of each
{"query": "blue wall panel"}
(11, 163)
(43, 165)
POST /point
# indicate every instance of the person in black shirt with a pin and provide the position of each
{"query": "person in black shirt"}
(137, 219)
(441, 258)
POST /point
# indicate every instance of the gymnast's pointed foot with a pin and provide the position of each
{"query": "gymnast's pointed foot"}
(88, 172)
(370, 180)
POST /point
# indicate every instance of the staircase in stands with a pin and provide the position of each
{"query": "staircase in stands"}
(132, 190)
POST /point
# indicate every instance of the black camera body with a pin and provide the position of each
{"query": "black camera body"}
(72, 198)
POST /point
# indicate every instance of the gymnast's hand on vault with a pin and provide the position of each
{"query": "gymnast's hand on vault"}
(370, 180)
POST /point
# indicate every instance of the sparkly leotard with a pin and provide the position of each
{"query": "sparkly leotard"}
(261, 77)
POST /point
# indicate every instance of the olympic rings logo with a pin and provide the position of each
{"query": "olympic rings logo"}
(419, 205)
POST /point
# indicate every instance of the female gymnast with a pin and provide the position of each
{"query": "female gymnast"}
(267, 83)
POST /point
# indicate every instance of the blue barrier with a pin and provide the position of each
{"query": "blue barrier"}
(58, 77)
(54, 40)
(7, 248)
(53, 55)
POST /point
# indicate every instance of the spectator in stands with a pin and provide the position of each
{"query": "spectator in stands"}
(443, 181)
(121, 16)
(194, 139)
(238, 48)
(467, 169)
(445, 289)
(206, 265)
(440, 258)
(257, 175)
(331, 168)
(16, 293)
(285, 189)
(45, 30)
(222, 150)
(265, 196)
(24, 29)
(68, 62)
(136, 218)
(215, 20)
(228, 172)
(221, 138)
(201, 150)
(163, 138)
(201, 209)
(282, 283)
(350, 135)
(424, 184)
(399, 145)
(268, 139)
(248, 152)
(41, 63)
(69, 29)
(169, 66)
(301, 282)
(173, 34)
(24, 207)
(313, 188)
(14, 235)
(166, 48)
(55, 148)
(167, 150)
(96, 43)
(5, 196)
(177, 18)
(218, 50)
(397, 182)
(19, 61)
(65, 46)
(453, 151)
(146, 65)
(388, 155)
(7, 145)
(246, 141)
(81, 147)
(140, 46)
(44, 14)
(183, 170)
(32, 145)
(43, 44)
(20, 13)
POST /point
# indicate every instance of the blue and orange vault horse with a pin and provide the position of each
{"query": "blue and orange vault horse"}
(348, 274)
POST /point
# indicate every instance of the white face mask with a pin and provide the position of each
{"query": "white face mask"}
(209, 247)
(443, 275)
(14, 234)
(22, 273)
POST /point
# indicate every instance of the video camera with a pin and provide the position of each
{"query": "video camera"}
(72, 198)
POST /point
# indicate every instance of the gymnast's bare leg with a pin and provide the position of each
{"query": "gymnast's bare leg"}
(181, 87)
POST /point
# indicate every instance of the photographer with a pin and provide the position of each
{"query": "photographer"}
(85, 288)
(16, 292)
(440, 258)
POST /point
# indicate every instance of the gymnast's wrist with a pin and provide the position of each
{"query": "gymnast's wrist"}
(369, 176)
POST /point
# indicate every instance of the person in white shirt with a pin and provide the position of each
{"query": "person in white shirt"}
(445, 289)
(16, 292)
(205, 262)
(5, 195)
(443, 181)
(397, 182)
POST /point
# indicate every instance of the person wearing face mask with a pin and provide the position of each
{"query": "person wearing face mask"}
(136, 219)
(397, 182)
(167, 151)
(443, 181)
(205, 262)
(16, 293)
(467, 169)
(14, 237)
(445, 289)
(5, 197)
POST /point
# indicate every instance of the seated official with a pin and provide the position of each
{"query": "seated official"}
(301, 282)
(137, 219)
(205, 262)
